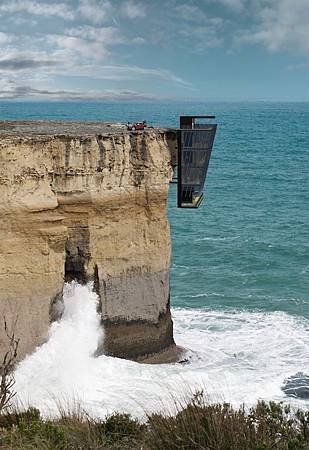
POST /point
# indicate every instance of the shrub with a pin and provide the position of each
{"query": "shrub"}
(120, 431)
(197, 425)
(7, 380)
(14, 417)
(221, 427)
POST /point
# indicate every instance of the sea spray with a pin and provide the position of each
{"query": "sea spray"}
(58, 368)
(236, 356)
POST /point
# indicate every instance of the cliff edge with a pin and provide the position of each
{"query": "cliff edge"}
(86, 201)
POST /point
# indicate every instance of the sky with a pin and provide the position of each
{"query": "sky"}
(204, 50)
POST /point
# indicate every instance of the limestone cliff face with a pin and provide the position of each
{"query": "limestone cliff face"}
(86, 201)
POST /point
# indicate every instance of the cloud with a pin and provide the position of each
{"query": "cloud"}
(300, 66)
(201, 38)
(190, 12)
(5, 38)
(24, 63)
(72, 47)
(280, 25)
(96, 11)
(133, 10)
(83, 53)
(67, 61)
(186, 26)
(114, 72)
(236, 5)
(38, 8)
(138, 40)
(78, 56)
(106, 35)
(11, 91)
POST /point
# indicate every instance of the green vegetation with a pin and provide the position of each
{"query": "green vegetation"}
(197, 425)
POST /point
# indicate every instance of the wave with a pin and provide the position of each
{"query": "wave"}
(206, 294)
(237, 356)
(232, 238)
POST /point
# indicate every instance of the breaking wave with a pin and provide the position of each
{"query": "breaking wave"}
(237, 356)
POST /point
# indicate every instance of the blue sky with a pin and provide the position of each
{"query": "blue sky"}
(160, 49)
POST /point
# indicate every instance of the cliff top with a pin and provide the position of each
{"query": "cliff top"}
(62, 128)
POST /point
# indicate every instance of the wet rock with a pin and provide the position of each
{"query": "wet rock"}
(297, 386)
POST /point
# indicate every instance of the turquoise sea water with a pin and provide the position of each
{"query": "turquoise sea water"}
(247, 246)
(239, 273)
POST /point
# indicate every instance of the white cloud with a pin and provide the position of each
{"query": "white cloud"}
(76, 57)
(5, 38)
(11, 90)
(37, 8)
(30, 65)
(280, 24)
(201, 38)
(96, 11)
(138, 40)
(115, 72)
(188, 26)
(106, 35)
(24, 59)
(190, 12)
(83, 51)
(133, 10)
(70, 47)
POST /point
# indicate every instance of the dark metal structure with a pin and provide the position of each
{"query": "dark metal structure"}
(195, 142)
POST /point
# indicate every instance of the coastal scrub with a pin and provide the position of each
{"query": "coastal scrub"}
(197, 425)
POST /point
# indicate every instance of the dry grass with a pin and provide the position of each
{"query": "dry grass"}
(28, 430)
(197, 425)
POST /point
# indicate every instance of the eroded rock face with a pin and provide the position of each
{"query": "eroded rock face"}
(86, 201)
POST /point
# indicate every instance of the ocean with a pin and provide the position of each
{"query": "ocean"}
(239, 275)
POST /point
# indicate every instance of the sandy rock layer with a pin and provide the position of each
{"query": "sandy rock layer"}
(86, 201)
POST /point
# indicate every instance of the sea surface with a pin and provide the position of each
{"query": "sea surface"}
(239, 276)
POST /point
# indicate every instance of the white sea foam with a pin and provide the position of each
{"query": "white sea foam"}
(236, 356)
(222, 238)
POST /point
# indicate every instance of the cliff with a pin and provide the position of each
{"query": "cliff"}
(86, 201)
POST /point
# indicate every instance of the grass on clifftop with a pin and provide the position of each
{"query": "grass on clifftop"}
(267, 426)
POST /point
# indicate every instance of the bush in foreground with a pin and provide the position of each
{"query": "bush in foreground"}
(221, 427)
(267, 426)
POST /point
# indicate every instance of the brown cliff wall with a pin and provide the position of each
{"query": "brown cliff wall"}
(86, 201)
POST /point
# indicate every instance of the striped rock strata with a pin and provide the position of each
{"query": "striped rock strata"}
(86, 201)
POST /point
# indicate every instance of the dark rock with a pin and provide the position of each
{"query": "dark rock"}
(297, 386)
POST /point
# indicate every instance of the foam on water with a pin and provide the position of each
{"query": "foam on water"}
(236, 356)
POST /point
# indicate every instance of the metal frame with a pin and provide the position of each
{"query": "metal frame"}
(195, 142)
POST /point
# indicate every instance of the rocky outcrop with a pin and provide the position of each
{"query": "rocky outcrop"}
(86, 201)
